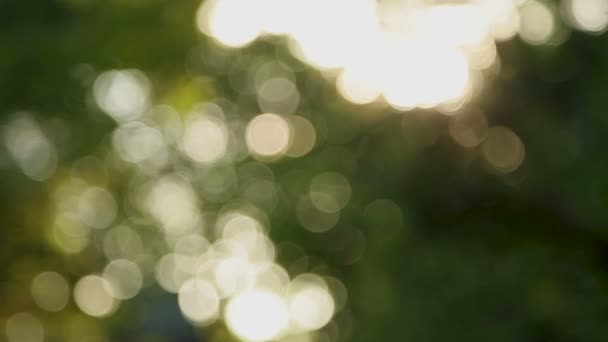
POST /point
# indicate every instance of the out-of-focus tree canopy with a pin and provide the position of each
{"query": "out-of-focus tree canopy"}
(345, 170)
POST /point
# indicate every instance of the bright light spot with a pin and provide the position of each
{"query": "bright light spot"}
(189, 250)
(303, 138)
(24, 327)
(503, 149)
(233, 275)
(92, 295)
(30, 148)
(268, 136)
(135, 142)
(257, 315)
(410, 53)
(310, 304)
(97, 207)
(124, 277)
(249, 235)
(483, 55)
(172, 201)
(588, 15)
(537, 23)
(326, 34)
(457, 25)
(122, 94)
(311, 308)
(503, 17)
(234, 23)
(234, 224)
(223, 249)
(278, 95)
(205, 140)
(330, 192)
(50, 291)
(273, 278)
(277, 16)
(424, 75)
(359, 83)
(199, 302)
(169, 275)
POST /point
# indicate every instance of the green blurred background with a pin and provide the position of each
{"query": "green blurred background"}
(434, 244)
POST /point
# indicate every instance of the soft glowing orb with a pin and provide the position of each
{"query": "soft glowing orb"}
(135, 142)
(304, 136)
(198, 300)
(30, 148)
(122, 242)
(503, 17)
(69, 235)
(24, 327)
(92, 295)
(205, 140)
(172, 201)
(469, 129)
(278, 95)
(169, 275)
(588, 15)
(97, 207)
(50, 291)
(503, 149)
(232, 275)
(124, 277)
(277, 16)
(234, 23)
(537, 23)
(257, 315)
(424, 75)
(311, 306)
(457, 25)
(330, 191)
(359, 83)
(122, 94)
(268, 136)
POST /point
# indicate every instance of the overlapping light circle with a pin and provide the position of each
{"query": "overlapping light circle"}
(411, 53)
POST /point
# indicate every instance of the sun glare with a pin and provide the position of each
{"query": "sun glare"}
(409, 53)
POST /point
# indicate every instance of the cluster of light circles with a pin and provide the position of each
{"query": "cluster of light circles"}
(411, 53)
(220, 262)
(236, 278)
(501, 148)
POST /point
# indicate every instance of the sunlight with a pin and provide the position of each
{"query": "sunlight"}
(267, 136)
(408, 53)
(587, 15)
(257, 315)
